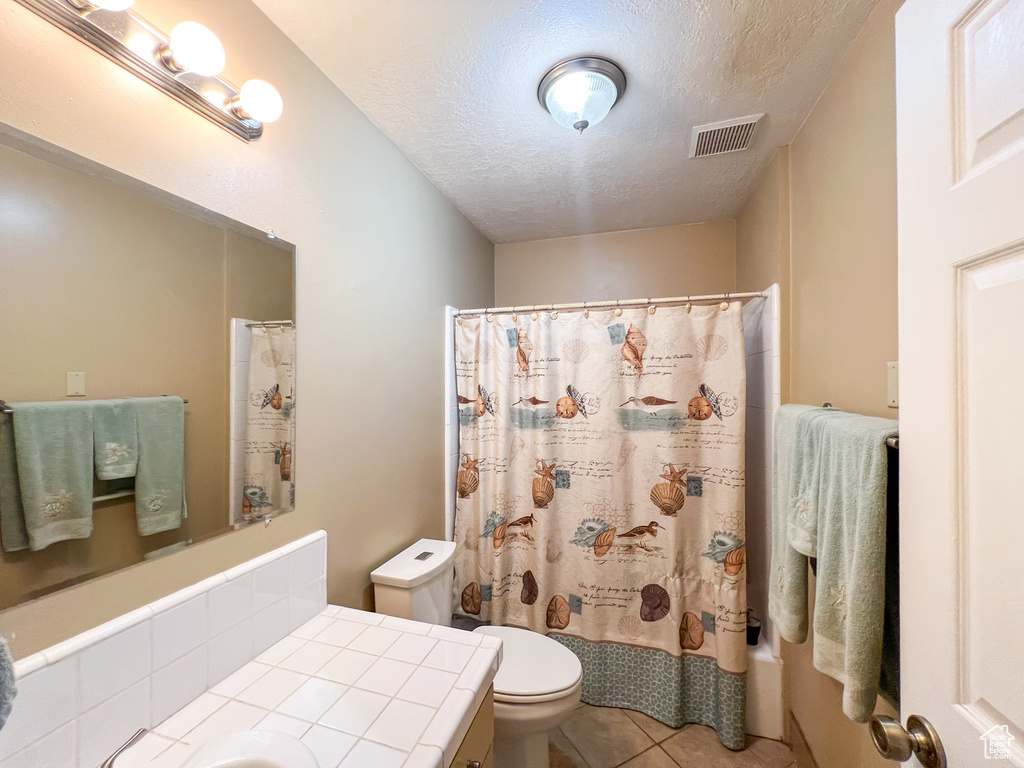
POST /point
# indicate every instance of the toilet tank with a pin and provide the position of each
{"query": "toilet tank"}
(417, 583)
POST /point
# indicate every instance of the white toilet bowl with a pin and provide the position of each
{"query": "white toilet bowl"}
(539, 681)
(536, 688)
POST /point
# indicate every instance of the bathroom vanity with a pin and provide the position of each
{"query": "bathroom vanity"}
(359, 689)
(257, 648)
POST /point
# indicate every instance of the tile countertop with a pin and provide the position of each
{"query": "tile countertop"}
(361, 690)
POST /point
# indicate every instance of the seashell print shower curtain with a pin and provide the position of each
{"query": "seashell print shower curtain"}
(268, 484)
(600, 499)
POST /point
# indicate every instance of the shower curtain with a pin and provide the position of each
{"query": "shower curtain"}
(268, 485)
(600, 499)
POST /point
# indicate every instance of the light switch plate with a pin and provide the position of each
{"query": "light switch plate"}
(76, 383)
(893, 397)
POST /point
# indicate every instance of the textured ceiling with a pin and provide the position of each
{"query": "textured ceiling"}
(453, 84)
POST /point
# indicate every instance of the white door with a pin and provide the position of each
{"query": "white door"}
(960, 115)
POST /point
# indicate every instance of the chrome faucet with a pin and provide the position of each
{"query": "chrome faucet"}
(109, 762)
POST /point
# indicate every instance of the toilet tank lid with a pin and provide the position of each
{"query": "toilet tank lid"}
(415, 565)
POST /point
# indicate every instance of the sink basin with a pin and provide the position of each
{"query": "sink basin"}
(253, 749)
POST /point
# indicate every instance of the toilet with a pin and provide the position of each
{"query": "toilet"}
(538, 684)
(536, 688)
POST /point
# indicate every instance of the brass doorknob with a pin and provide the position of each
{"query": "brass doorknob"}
(894, 742)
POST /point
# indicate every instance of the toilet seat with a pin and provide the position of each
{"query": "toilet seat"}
(534, 668)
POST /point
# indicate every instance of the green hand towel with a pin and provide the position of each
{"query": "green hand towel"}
(849, 606)
(787, 587)
(811, 465)
(160, 480)
(12, 515)
(53, 447)
(115, 438)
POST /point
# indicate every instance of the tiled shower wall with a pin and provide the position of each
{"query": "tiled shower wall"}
(761, 337)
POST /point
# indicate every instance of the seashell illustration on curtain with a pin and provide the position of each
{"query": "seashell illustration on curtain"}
(634, 347)
(576, 350)
(468, 478)
(523, 352)
(544, 485)
(671, 496)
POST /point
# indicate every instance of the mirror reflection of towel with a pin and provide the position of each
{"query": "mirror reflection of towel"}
(160, 480)
(53, 451)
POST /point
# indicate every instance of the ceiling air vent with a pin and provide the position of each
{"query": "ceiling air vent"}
(726, 136)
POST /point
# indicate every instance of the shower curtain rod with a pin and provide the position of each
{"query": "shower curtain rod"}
(612, 304)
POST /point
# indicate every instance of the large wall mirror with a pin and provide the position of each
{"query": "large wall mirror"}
(116, 307)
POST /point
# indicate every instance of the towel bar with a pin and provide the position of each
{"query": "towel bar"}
(5, 408)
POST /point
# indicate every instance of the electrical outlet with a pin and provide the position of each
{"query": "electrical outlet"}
(893, 397)
(76, 383)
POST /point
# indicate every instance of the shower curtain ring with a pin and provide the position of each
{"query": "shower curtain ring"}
(618, 309)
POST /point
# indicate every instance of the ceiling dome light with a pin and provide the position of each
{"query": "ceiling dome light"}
(579, 93)
(260, 100)
(194, 48)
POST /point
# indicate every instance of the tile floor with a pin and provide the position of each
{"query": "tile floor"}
(599, 737)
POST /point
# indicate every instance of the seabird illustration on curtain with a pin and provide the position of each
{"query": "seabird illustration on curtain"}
(600, 499)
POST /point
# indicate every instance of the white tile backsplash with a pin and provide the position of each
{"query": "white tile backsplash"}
(112, 665)
(230, 604)
(47, 699)
(178, 683)
(58, 749)
(229, 651)
(270, 583)
(270, 625)
(178, 630)
(81, 699)
(105, 728)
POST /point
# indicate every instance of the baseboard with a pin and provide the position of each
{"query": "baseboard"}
(804, 758)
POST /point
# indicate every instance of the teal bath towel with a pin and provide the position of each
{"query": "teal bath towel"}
(787, 587)
(115, 438)
(849, 607)
(160, 480)
(12, 515)
(53, 449)
(811, 465)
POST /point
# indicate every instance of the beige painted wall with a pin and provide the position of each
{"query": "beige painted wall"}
(839, 225)
(763, 247)
(138, 297)
(690, 260)
(379, 254)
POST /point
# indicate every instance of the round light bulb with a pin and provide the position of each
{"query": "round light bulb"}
(196, 49)
(260, 100)
(581, 99)
(113, 5)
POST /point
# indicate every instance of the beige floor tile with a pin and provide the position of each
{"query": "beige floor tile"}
(774, 754)
(656, 729)
(561, 753)
(697, 746)
(655, 757)
(605, 737)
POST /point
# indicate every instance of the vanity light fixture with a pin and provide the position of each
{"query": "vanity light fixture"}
(185, 65)
(579, 92)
